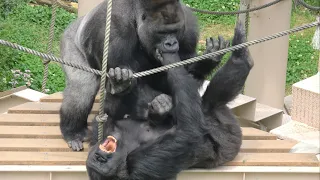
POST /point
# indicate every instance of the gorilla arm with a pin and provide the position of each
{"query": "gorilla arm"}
(166, 156)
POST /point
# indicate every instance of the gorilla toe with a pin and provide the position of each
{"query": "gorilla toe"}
(75, 145)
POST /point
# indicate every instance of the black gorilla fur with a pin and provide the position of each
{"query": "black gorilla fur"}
(141, 31)
(200, 133)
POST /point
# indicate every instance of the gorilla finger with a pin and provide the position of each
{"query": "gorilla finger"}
(209, 43)
(166, 99)
(162, 96)
(125, 74)
(75, 146)
(111, 73)
(130, 74)
(169, 102)
(161, 100)
(118, 75)
(215, 44)
(156, 105)
(227, 44)
(222, 43)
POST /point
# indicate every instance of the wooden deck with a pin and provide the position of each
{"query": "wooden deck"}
(30, 135)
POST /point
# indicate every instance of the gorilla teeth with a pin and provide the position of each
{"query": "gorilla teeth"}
(109, 146)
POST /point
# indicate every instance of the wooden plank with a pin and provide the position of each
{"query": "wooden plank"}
(266, 146)
(51, 145)
(36, 145)
(43, 158)
(33, 119)
(53, 132)
(79, 158)
(48, 132)
(42, 108)
(274, 159)
(57, 97)
(256, 134)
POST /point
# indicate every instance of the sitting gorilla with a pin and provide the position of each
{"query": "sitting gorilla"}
(198, 133)
(141, 32)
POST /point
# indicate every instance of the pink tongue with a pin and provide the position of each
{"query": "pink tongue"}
(109, 145)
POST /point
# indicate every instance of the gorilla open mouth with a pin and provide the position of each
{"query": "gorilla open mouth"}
(109, 146)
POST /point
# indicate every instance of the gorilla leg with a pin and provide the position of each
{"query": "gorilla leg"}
(78, 98)
(203, 68)
(79, 94)
(229, 80)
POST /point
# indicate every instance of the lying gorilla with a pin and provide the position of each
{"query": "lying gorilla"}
(141, 150)
(141, 31)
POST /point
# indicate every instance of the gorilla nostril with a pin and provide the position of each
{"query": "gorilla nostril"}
(100, 158)
(171, 45)
(168, 44)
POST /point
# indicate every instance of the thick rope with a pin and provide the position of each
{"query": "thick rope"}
(235, 12)
(223, 51)
(49, 57)
(163, 68)
(304, 4)
(102, 116)
(247, 20)
(51, 37)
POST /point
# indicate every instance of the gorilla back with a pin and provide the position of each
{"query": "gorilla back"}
(140, 31)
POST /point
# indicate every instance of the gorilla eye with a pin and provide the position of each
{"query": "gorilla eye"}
(144, 17)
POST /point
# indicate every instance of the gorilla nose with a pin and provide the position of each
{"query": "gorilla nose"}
(102, 156)
(171, 45)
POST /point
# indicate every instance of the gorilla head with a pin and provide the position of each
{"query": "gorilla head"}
(160, 25)
(109, 158)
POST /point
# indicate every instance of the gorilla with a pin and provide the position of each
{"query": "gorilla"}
(142, 31)
(197, 133)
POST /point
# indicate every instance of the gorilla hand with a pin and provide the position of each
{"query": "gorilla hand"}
(120, 80)
(213, 45)
(159, 108)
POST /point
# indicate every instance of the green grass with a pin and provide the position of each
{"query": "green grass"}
(29, 25)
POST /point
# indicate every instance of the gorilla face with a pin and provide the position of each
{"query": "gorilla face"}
(109, 158)
(160, 25)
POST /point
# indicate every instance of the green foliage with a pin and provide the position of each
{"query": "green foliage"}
(6, 6)
(215, 5)
(29, 26)
(302, 60)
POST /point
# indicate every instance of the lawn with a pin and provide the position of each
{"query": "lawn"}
(28, 25)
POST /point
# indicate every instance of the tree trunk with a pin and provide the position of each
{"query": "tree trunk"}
(69, 6)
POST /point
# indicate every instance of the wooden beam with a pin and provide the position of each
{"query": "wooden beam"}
(79, 158)
(53, 132)
(59, 145)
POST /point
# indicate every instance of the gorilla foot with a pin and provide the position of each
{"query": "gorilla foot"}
(120, 79)
(239, 38)
(213, 45)
(76, 143)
